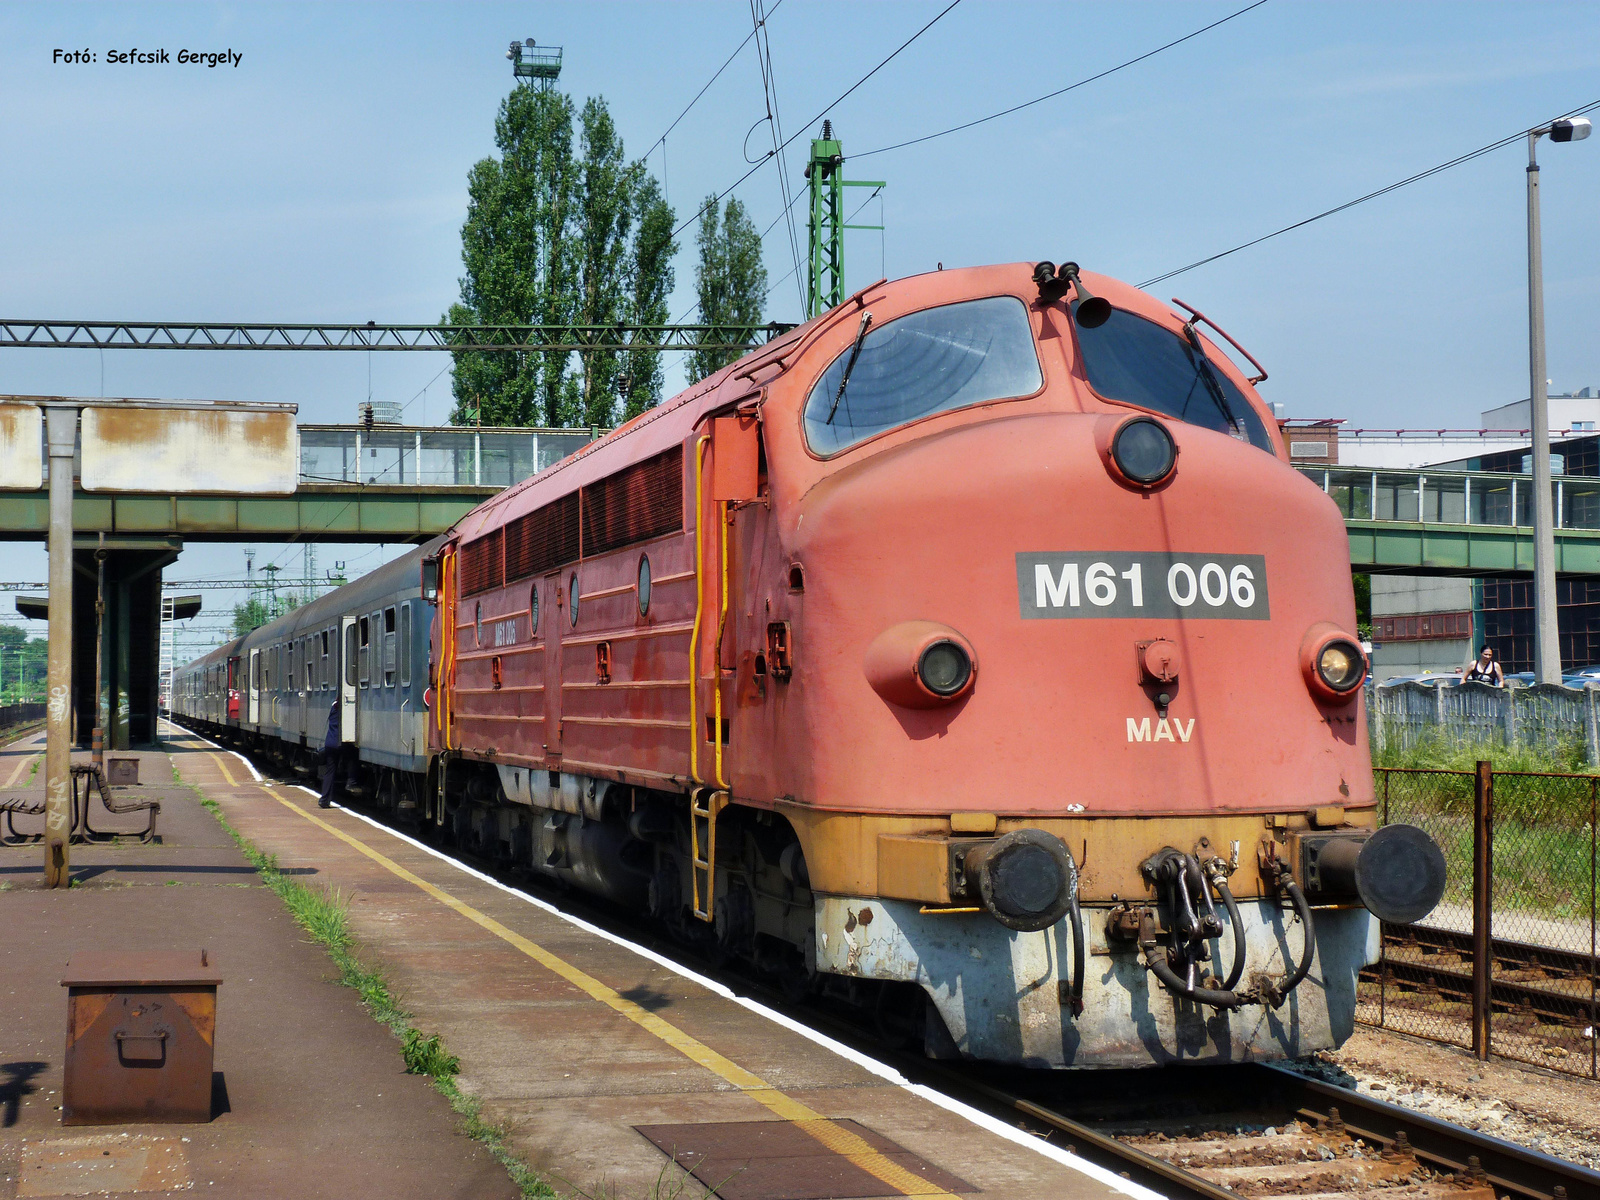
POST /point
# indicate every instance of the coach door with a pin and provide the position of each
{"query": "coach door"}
(254, 679)
(347, 679)
(557, 619)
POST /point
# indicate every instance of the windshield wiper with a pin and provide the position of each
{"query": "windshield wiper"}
(1203, 369)
(855, 353)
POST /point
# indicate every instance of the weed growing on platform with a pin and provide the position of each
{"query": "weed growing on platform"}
(325, 915)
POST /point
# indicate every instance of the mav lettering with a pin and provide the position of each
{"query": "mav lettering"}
(1139, 731)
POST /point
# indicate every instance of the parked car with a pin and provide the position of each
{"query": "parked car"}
(1426, 679)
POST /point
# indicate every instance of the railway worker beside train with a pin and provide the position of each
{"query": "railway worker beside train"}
(332, 757)
(1485, 670)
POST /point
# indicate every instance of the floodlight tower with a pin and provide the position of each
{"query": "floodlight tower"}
(533, 63)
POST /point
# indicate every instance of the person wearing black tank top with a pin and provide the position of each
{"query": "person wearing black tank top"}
(1485, 670)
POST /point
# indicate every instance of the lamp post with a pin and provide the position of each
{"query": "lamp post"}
(1547, 647)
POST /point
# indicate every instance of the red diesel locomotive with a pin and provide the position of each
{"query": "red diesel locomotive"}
(971, 651)
(975, 637)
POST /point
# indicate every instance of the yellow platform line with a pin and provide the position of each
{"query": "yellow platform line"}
(223, 767)
(21, 766)
(832, 1135)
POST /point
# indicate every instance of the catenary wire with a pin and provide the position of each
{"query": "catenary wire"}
(1006, 112)
(825, 110)
(1383, 191)
(769, 86)
(709, 82)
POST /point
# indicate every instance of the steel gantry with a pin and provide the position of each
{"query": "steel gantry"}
(211, 335)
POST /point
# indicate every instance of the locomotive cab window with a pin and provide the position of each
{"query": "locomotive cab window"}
(1135, 361)
(924, 363)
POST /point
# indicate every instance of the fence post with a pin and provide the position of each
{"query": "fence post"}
(1591, 733)
(1508, 700)
(1482, 905)
(1438, 708)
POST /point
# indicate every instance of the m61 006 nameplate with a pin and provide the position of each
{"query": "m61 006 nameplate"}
(1230, 587)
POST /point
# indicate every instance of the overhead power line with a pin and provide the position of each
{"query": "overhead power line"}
(1383, 191)
(1006, 112)
(713, 79)
(766, 158)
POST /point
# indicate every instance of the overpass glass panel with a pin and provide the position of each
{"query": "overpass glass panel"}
(1444, 500)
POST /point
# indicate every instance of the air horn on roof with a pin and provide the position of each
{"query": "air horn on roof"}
(1092, 311)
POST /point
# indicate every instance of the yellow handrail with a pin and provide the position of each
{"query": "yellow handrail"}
(722, 625)
(699, 604)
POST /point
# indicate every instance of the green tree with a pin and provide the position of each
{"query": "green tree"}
(252, 614)
(730, 281)
(555, 233)
(22, 666)
(652, 277)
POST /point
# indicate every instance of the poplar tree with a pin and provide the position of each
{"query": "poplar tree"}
(730, 280)
(560, 233)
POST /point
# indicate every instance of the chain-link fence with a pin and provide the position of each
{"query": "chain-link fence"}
(1531, 840)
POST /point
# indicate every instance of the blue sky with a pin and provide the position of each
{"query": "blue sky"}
(324, 178)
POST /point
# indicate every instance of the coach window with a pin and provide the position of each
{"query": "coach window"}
(924, 363)
(389, 656)
(327, 646)
(365, 626)
(350, 656)
(289, 669)
(405, 644)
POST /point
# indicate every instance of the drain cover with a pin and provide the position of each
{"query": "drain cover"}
(780, 1160)
(107, 1162)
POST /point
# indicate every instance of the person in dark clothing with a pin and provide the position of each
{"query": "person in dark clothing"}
(332, 758)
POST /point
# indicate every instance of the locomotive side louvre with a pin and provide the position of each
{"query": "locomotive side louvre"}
(930, 693)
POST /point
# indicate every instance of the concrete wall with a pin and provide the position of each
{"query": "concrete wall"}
(1402, 595)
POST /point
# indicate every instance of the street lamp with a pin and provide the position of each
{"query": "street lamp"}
(1547, 647)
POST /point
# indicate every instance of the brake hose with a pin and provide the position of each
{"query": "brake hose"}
(1221, 884)
(1303, 911)
(1075, 916)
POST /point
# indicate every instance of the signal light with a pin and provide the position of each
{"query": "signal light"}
(1143, 450)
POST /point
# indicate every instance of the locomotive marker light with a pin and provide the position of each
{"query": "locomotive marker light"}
(1332, 663)
(920, 664)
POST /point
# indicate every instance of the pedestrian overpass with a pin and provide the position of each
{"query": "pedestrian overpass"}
(1459, 523)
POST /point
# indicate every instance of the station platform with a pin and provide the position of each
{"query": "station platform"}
(610, 1069)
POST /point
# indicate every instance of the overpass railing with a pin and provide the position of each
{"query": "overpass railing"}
(431, 456)
(1456, 497)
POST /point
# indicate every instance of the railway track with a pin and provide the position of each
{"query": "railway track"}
(1557, 990)
(1247, 1131)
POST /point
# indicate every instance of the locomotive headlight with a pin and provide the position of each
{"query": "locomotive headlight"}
(1137, 451)
(1143, 450)
(944, 668)
(1341, 666)
(1333, 663)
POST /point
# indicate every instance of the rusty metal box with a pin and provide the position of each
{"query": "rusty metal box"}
(141, 1026)
(122, 772)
